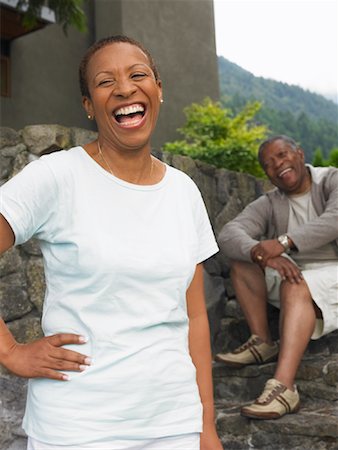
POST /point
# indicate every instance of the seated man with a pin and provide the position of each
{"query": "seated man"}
(294, 268)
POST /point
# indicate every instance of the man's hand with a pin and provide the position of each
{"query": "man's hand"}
(264, 250)
(44, 357)
(286, 268)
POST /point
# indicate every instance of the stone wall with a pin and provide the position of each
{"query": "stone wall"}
(225, 194)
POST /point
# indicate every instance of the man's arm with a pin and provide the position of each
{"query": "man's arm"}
(199, 346)
(241, 234)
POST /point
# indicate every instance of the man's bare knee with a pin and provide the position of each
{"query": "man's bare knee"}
(293, 292)
(240, 269)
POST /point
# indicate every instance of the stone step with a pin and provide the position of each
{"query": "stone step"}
(314, 427)
(317, 378)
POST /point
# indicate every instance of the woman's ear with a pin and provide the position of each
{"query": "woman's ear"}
(159, 85)
(87, 104)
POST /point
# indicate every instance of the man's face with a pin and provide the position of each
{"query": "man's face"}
(285, 167)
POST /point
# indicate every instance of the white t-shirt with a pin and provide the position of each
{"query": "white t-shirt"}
(118, 260)
(301, 211)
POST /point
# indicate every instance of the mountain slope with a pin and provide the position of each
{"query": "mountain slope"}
(309, 118)
(276, 95)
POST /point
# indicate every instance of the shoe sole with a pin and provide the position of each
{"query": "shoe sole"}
(268, 415)
(239, 365)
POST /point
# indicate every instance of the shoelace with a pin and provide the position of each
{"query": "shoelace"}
(267, 394)
(252, 341)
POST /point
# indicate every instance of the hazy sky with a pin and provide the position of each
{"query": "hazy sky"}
(294, 41)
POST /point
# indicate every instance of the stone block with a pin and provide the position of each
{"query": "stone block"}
(223, 262)
(5, 167)
(13, 399)
(80, 136)
(6, 436)
(330, 373)
(332, 342)
(19, 443)
(10, 262)
(240, 385)
(232, 423)
(215, 297)
(301, 424)
(187, 165)
(8, 137)
(40, 138)
(20, 162)
(36, 282)
(232, 309)
(213, 266)
(230, 291)
(12, 151)
(318, 347)
(222, 183)
(26, 329)
(318, 390)
(14, 301)
(311, 368)
(236, 331)
(167, 158)
(31, 248)
(229, 211)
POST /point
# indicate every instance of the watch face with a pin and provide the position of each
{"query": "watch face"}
(284, 241)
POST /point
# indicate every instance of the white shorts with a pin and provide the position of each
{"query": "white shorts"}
(182, 442)
(322, 281)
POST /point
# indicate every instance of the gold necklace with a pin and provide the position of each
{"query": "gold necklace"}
(108, 165)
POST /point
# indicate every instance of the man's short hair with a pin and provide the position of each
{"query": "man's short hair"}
(281, 137)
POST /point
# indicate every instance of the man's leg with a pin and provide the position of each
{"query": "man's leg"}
(250, 287)
(249, 283)
(297, 322)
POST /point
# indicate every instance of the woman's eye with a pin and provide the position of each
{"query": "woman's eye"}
(105, 82)
(138, 75)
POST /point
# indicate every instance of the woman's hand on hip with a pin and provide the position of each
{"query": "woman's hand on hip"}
(45, 357)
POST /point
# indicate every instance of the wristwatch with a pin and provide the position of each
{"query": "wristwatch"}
(284, 240)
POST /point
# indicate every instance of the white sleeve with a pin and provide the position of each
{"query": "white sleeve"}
(207, 245)
(29, 200)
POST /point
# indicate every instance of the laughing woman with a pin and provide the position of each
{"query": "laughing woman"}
(123, 238)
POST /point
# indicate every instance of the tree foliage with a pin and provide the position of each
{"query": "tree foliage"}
(214, 135)
(319, 160)
(67, 12)
(333, 158)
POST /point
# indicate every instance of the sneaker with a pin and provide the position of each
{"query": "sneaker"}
(254, 351)
(275, 401)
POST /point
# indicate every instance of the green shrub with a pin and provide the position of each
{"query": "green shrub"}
(214, 135)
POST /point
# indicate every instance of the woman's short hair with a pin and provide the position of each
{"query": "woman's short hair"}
(103, 43)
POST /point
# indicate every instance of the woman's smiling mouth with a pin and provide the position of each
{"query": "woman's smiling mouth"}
(130, 116)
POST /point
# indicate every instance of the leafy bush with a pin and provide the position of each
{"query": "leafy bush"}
(215, 135)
